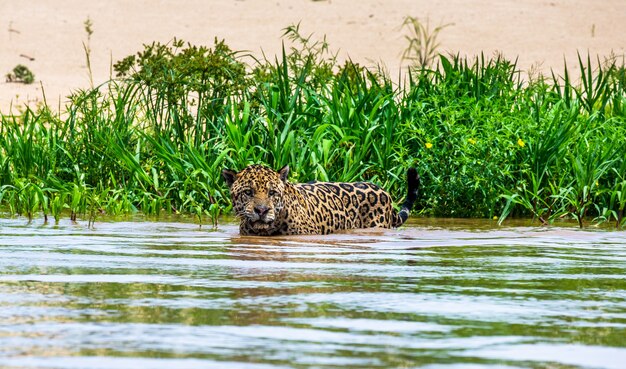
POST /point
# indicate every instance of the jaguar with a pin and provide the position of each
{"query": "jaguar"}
(268, 204)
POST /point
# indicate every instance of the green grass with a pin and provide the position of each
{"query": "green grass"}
(486, 142)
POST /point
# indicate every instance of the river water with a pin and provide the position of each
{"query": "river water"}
(432, 294)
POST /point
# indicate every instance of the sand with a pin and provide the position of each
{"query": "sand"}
(48, 35)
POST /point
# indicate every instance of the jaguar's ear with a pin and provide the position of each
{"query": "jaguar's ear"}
(284, 173)
(229, 176)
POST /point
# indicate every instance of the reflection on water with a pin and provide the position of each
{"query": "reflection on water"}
(433, 294)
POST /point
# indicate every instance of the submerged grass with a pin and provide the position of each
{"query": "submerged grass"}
(486, 143)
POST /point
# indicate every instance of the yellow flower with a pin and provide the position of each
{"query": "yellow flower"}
(495, 217)
(429, 145)
(472, 141)
(521, 142)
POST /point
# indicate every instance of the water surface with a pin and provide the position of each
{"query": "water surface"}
(433, 294)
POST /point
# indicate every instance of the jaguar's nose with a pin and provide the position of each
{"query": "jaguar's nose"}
(261, 210)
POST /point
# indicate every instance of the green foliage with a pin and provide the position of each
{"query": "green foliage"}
(21, 74)
(183, 89)
(485, 143)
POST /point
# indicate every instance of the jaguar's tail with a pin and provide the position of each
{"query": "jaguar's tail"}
(413, 182)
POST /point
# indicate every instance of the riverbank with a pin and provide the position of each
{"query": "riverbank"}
(48, 36)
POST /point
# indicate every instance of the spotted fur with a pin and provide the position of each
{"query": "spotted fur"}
(268, 204)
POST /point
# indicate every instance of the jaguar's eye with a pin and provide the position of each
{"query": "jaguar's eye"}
(273, 193)
(247, 192)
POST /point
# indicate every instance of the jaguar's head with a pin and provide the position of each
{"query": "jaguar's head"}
(257, 194)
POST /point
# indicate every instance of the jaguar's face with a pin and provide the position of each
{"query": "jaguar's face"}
(257, 194)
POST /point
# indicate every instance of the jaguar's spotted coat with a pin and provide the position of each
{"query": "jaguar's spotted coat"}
(268, 204)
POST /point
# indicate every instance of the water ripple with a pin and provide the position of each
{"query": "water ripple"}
(162, 295)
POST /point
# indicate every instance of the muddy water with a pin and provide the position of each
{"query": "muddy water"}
(429, 295)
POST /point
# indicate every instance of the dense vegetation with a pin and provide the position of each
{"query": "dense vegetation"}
(486, 141)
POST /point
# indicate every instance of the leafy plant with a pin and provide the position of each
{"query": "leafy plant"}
(87, 48)
(21, 74)
(422, 46)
